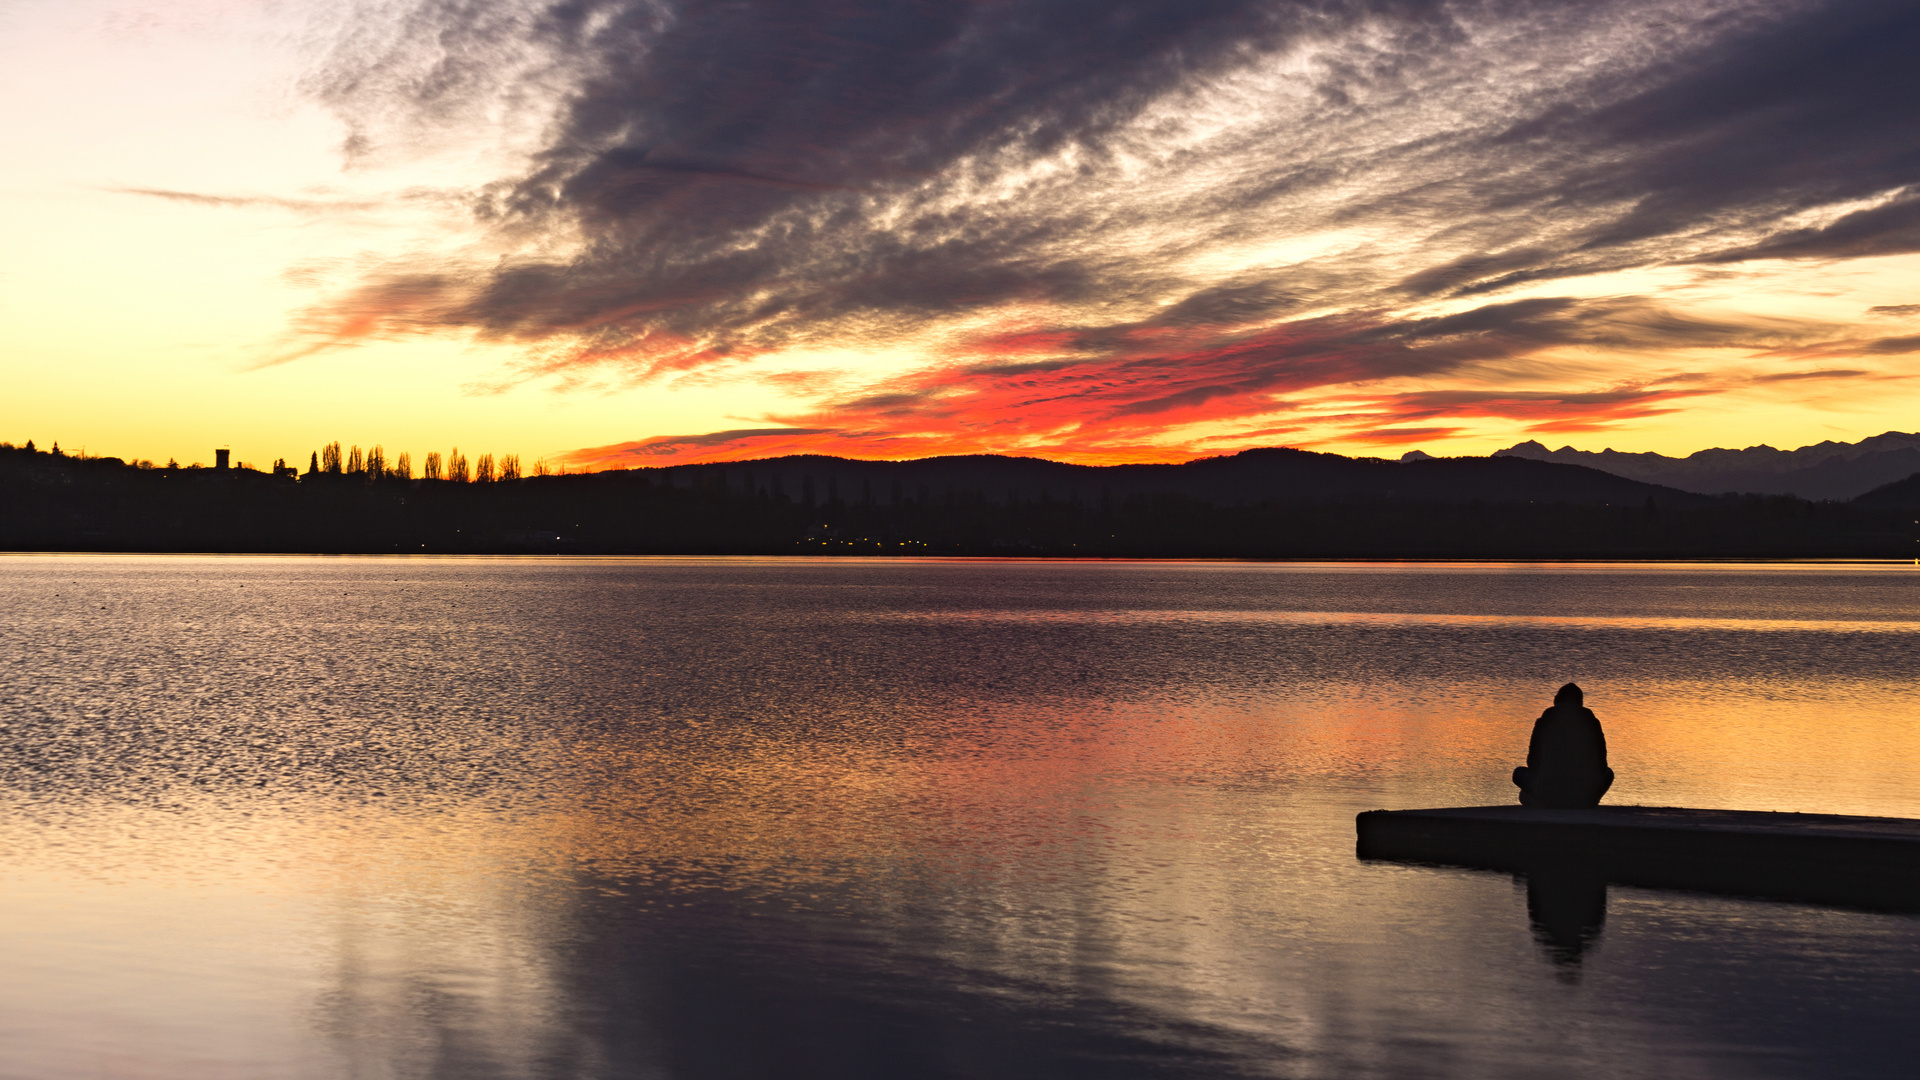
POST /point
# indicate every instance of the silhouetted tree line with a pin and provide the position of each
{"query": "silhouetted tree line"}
(372, 465)
(357, 502)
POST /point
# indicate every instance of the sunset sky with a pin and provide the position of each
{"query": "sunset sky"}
(621, 232)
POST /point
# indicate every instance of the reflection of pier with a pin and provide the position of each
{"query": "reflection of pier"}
(1825, 858)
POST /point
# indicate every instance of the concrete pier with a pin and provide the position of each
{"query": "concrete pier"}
(1825, 858)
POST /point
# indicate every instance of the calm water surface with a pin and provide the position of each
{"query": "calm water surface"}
(368, 818)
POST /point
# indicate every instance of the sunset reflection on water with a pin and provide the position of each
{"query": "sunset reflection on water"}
(371, 817)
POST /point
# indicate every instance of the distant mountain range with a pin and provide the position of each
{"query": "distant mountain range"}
(1828, 470)
(1243, 479)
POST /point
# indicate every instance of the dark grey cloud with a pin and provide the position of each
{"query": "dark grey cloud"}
(1625, 323)
(668, 445)
(1230, 304)
(1097, 179)
(1889, 229)
(1802, 110)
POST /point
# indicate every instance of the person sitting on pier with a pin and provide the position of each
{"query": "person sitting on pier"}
(1566, 765)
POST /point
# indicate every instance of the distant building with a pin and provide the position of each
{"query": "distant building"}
(220, 459)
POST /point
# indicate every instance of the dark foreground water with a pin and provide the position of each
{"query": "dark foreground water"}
(367, 818)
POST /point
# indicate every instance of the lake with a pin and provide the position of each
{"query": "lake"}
(736, 818)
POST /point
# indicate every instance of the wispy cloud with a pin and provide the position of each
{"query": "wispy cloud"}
(1799, 376)
(309, 206)
(1109, 225)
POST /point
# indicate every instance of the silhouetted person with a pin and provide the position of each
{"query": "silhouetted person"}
(1566, 765)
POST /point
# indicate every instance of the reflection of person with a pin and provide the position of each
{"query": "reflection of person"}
(1567, 757)
(1567, 904)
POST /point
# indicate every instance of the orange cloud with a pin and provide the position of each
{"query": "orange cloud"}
(1112, 394)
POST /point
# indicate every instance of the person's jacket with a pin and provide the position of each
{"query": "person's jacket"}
(1567, 755)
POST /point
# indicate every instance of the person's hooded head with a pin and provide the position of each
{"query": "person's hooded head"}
(1569, 695)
